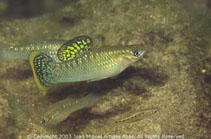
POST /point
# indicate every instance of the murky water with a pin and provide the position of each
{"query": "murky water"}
(174, 76)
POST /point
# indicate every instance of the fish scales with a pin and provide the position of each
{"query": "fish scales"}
(78, 61)
(49, 47)
(97, 64)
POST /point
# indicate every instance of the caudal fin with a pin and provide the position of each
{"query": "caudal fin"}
(42, 66)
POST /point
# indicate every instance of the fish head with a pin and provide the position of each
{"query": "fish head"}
(131, 54)
(53, 117)
(45, 120)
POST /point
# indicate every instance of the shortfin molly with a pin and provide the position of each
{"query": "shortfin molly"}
(73, 48)
(42, 67)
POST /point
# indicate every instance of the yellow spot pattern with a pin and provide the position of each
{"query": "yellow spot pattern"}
(74, 48)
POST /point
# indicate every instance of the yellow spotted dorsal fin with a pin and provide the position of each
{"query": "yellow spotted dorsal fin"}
(74, 48)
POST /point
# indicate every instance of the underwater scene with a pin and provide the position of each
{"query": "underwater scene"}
(109, 69)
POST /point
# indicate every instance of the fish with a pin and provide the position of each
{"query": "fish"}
(82, 64)
(49, 47)
(59, 111)
(22, 52)
(134, 117)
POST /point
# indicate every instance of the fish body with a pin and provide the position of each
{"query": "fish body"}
(134, 117)
(49, 47)
(57, 61)
(95, 64)
(59, 111)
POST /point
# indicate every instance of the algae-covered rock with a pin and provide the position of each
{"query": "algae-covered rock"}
(174, 75)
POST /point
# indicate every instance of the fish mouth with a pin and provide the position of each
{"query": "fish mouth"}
(142, 53)
(143, 48)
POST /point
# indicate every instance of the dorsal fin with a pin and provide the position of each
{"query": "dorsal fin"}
(74, 48)
(42, 66)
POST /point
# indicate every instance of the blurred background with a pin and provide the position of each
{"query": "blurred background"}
(174, 76)
(13, 9)
(10, 9)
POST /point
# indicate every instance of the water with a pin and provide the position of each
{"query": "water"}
(174, 76)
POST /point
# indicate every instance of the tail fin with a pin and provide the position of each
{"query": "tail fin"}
(42, 66)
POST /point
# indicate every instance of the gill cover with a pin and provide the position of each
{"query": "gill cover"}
(73, 48)
(42, 66)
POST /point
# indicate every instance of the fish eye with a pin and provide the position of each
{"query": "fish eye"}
(44, 120)
(136, 53)
(155, 110)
